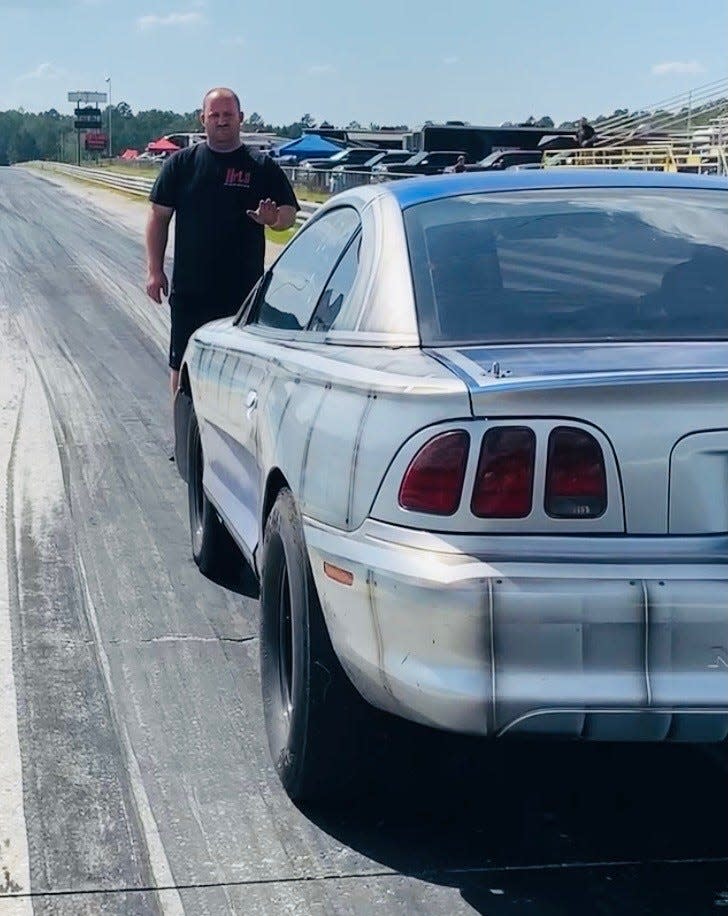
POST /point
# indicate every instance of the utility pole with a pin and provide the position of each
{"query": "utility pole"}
(108, 80)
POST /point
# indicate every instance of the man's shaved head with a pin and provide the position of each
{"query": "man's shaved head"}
(222, 117)
(221, 90)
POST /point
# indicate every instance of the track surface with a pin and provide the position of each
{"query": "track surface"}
(129, 699)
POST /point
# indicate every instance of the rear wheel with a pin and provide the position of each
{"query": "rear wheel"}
(314, 718)
(213, 549)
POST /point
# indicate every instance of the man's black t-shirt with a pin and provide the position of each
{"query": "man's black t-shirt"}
(218, 248)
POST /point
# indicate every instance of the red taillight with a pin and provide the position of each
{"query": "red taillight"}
(433, 482)
(576, 482)
(504, 480)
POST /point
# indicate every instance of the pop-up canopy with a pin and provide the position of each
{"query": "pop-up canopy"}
(162, 146)
(309, 146)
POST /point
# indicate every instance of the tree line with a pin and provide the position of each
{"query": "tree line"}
(26, 136)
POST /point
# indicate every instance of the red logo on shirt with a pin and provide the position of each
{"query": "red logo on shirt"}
(237, 179)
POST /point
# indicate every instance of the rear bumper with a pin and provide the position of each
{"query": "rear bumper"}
(622, 639)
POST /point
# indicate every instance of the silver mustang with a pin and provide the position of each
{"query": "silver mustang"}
(470, 436)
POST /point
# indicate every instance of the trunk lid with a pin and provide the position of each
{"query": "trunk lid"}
(646, 398)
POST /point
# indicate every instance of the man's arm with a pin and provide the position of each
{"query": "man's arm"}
(156, 236)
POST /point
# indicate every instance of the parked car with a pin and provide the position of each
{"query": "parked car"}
(479, 472)
(290, 160)
(383, 157)
(432, 163)
(348, 176)
(502, 159)
(354, 156)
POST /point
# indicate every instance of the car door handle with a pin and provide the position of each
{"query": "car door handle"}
(251, 402)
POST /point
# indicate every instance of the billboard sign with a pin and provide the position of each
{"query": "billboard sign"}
(96, 141)
(87, 97)
(87, 118)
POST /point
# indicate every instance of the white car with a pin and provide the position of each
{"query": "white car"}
(470, 435)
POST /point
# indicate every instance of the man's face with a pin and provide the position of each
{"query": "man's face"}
(222, 118)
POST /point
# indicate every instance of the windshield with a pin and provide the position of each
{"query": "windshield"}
(360, 155)
(585, 265)
(410, 160)
(493, 157)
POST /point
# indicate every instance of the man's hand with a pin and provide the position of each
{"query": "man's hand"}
(156, 237)
(266, 214)
(156, 285)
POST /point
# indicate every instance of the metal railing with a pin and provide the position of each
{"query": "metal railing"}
(134, 184)
(319, 183)
(322, 181)
(655, 157)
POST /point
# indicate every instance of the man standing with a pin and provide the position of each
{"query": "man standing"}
(223, 197)
(585, 133)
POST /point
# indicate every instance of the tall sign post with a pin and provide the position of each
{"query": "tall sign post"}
(87, 115)
(108, 82)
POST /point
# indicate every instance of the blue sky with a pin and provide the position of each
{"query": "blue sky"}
(380, 60)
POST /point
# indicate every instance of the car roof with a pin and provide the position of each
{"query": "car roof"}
(418, 190)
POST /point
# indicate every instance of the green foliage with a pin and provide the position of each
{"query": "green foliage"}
(130, 131)
(49, 134)
(25, 136)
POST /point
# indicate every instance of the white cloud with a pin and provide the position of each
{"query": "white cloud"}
(153, 21)
(235, 41)
(318, 69)
(44, 71)
(450, 60)
(670, 67)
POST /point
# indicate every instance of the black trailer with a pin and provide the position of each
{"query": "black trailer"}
(479, 142)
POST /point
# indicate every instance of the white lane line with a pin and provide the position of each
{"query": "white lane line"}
(39, 479)
(169, 897)
(14, 857)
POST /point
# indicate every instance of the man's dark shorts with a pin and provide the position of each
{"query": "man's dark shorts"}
(187, 315)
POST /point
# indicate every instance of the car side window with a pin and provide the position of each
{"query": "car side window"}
(337, 289)
(296, 282)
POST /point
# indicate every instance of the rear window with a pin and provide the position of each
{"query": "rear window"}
(591, 265)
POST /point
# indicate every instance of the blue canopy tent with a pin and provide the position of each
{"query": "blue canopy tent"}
(309, 146)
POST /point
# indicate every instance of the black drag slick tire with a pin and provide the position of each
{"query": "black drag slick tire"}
(314, 718)
(213, 549)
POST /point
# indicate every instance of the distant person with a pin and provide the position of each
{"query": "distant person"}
(585, 133)
(460, 164)
(223, 196)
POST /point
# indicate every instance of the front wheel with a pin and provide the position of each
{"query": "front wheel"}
(314, 718)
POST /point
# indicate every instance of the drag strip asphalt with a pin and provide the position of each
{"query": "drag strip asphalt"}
(134, 772)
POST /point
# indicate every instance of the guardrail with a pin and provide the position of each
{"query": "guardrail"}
(134, 184)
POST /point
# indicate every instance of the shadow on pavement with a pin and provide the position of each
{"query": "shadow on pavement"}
(502, 821)
(239, 580)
